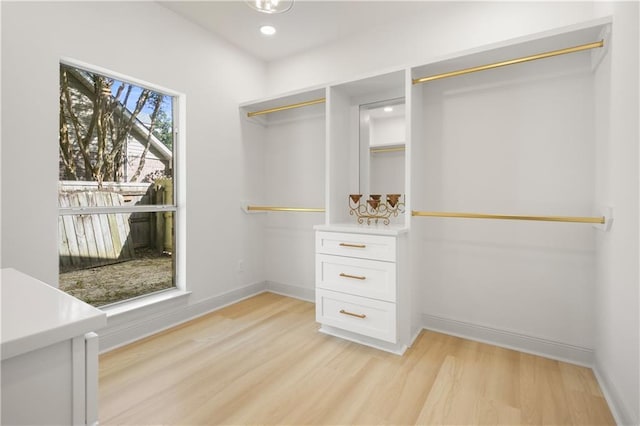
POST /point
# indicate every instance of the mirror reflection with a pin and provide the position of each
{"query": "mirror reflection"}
(382, 145)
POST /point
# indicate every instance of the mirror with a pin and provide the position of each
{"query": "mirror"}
(382, 145)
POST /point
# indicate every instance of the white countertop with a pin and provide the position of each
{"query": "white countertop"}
(35, 315)
(374, 229)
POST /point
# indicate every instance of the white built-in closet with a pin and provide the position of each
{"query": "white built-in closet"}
(515, 139)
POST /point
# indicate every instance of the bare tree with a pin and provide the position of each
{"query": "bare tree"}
(95, 126)
(156, 99)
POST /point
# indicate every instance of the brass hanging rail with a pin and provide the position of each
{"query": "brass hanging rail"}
(394, 149)
(283, 209)
(573, 219)
(286, 107)
(511, 62)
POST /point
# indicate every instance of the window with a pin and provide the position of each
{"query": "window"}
(116, 189)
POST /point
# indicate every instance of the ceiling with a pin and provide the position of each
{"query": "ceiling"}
(307, 25)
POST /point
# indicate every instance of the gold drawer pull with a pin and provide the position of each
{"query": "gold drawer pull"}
(342, 311)
(355, 277)
(352, 245)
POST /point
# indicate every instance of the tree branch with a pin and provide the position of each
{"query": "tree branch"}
(81, 139)
(66, 150)
(143, 157)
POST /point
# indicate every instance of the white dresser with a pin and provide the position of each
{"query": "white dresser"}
(359, 294)
(49, 354)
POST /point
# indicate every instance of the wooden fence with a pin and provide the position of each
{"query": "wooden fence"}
(88, 240)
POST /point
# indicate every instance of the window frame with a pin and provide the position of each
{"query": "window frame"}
(178, 208)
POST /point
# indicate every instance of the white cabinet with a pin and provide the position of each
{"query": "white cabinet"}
(49, 354)
(367, 317)
(360, 277)
(362, 246)
(358, 293)
(361, 272)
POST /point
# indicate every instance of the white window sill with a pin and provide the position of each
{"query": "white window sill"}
(145, 301)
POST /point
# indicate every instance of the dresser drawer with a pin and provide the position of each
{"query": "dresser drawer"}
(361, 277)
(373, 318)
(376, 247)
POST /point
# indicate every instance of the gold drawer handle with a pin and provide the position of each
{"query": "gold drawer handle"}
(352, 245)
(355, 277)
(342, 311)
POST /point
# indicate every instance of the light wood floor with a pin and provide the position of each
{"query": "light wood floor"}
(262, 361)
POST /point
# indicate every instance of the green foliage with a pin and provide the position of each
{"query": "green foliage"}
(163, 129)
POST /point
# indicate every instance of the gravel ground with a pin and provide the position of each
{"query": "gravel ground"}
(103, 285)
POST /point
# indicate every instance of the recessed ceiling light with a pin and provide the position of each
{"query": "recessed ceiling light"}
(267, 30)
(388, 109)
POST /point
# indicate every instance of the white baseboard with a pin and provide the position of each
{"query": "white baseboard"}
(127, 330)
(138, 324)
(302, 293)
(394, 348)
(621, 414)
(510, 340)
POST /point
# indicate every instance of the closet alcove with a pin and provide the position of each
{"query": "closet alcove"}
(505, 151)
(518, 139)
(284, 143)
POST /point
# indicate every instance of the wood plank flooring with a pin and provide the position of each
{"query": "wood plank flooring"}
(262, 361)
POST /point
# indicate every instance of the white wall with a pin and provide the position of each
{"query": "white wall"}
(150, 43)
(445, 28)
(617, 333)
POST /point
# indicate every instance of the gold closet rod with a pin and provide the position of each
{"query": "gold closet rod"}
(395, 149)
(511, 62)
(573, 219)
(286, 107)
(283, 209)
